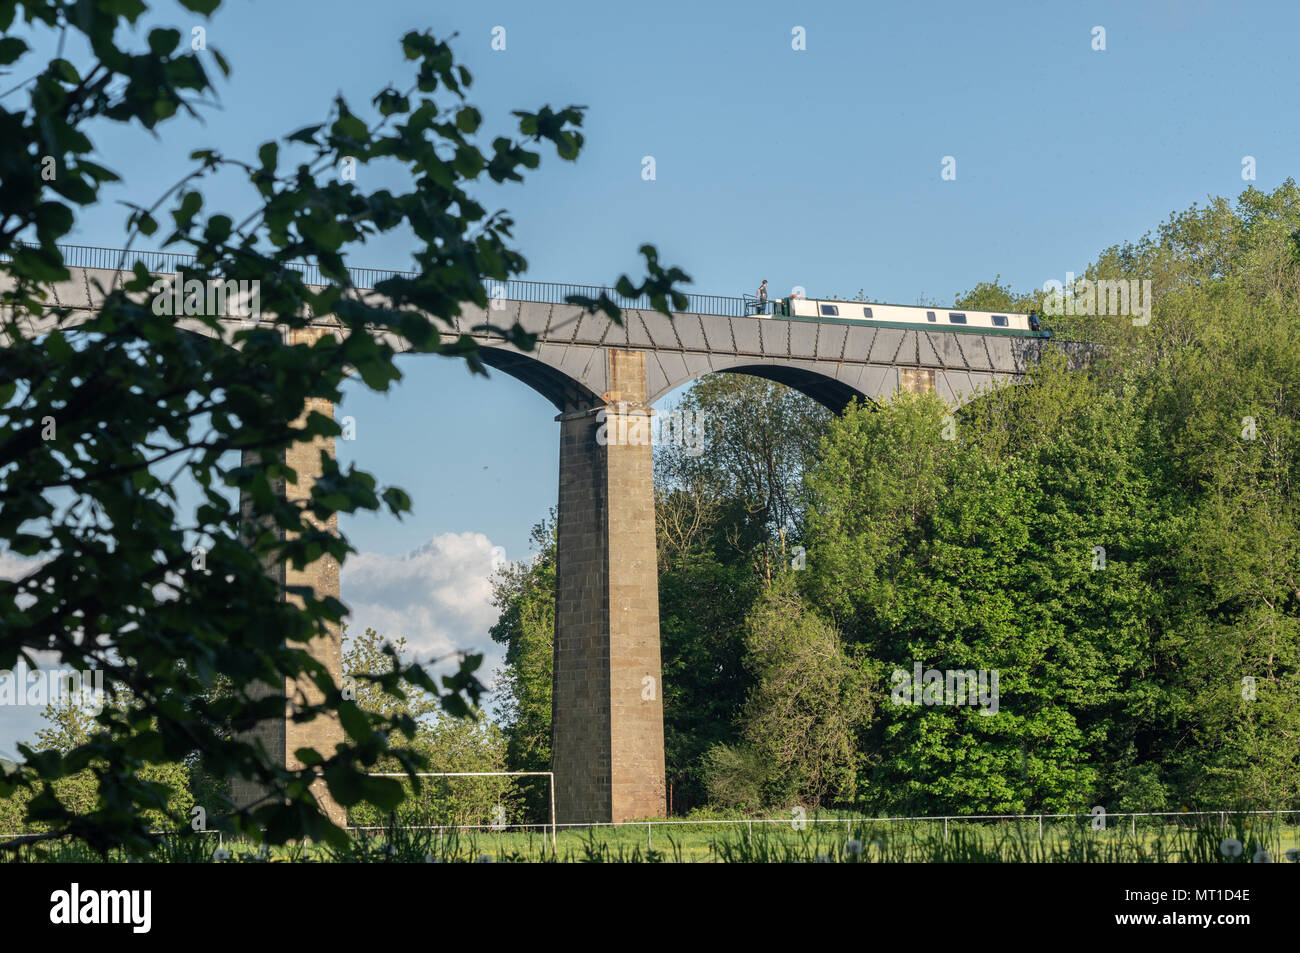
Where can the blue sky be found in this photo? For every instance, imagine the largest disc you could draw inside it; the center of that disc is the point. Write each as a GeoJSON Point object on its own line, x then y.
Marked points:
{"type": "Point", "coordinates": [818, 167]}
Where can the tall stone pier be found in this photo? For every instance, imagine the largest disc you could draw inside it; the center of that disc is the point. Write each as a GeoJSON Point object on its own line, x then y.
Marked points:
{"type": "Point", "coordinates": [282, 736]}
{"type": "Point", "coordinates": [607, 747]}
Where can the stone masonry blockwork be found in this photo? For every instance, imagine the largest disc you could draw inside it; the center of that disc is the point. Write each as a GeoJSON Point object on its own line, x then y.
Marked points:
{"type": "Point", "coordinates": [282, 737]}
{"type": "Point", "coordinates": [607, 705]}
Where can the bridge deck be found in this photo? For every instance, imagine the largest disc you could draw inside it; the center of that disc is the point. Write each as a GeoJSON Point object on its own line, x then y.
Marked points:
{"type": "Point", "coordinates": [515, 289]}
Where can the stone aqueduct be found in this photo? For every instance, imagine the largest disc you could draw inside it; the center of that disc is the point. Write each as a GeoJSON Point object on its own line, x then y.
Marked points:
{"type": "Point", "coordinates": [608, 744]}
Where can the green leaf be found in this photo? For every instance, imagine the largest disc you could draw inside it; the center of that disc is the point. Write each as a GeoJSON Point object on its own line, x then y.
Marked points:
{"type": "Point", "coordinates": [65, 71]}
{"type": "Point", "coordinates": [468, 119]}
{"type": "Point", "coordinates": [345, 784]}
{"type": "Point", "coordinates": [11, 48]}
{"type": "Point", "coordinates": [308, 756]}
{"type": "Point", "coordinates": [354, 721]}
{"type": "Point", "coordinates": [268, 154]}
{"type": "Point", "coordinates": [396, 500]}
{"type": "Point", "coordinates": [163, 41]}
{"type": "Point", "coordinates": [307, 134]}
{"type": "Point", "coordinates": [385, 793]}
{"type": "Point", "coordinates": [58, 347]}
{"type": "Point", "coordinates": [131, 9]}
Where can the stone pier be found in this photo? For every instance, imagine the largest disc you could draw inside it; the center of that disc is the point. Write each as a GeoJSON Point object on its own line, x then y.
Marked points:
{"type": "Point", "coordinates": [607, 707]}
{"type": "Point", "coordinates": [282, 737]}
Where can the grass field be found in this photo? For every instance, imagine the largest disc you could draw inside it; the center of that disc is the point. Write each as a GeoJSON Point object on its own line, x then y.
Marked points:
{"type": "Point", "coordinates": [1194, 840]}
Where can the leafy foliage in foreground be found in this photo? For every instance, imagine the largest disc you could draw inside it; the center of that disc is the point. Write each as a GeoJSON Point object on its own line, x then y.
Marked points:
{"type": "Point", "coordinates": [101, 414]}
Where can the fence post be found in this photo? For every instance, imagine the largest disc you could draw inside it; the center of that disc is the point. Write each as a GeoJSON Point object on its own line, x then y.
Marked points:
{"type": "Point", "coordinates": [751, 833]}
{"type": "Point", "coordinates": [649, 844]}
{"type": "Point", "coordinates": [945, 830]}
{"type": "Point", "coordinates": [1040, 828]}
{"type": "Point", "coordinates": [1134, 818]}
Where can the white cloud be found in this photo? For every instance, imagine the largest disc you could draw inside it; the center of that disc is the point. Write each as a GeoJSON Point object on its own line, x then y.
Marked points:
{"type": "Point", "coordinates": [438, 597]}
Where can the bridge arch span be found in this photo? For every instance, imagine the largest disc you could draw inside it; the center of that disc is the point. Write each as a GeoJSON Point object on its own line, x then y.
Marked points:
{"type": "Point", "coordinates": [567, 393]}
{"type": "Point", "coordinates": [832, 394]}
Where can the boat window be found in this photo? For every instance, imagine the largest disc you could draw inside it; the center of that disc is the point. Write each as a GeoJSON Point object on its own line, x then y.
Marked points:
{"type": "Point", "coordinates": [830, 311]}
{"type": "Point", "coordinates": [929, 315]}
{"type": "Point", "coordinates": [1000, 321]}
{"type": "Point", "coordinates": [866, 312]}
{"type": "Point", "coordinates": [956, 318]}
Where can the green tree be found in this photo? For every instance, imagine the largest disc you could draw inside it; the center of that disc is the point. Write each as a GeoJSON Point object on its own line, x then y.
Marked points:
{"type": "Point", "coordinates": [705, 592]}
{"type": "Point", "coordinates": [995, 296]}
{"type": "Point", "coordinates": [729, 508]}
{"type": "Point", "coordinates": [525, 594]}
{"type": "Point", "coordinates": [809, 703]}
{"type": "Point", "coordinates": [443, 743]}
{"type": "Point", "coordinates": [368, 659]}
{"type": "Point", "coordinates": [944, 553]}
{"type": "Point", "coordinates": [70, 726]}
{"type": "Point", "coordinates": [757, 439]}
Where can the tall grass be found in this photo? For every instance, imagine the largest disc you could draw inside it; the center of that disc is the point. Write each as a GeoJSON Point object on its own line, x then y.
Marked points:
{"type": "Point", "coordinates": [1194, 839]}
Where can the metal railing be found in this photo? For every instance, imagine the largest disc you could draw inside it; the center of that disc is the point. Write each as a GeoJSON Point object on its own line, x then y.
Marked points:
{"type": "Point", "coordinates": [109, 259]}
{"type": "Point", "coordinates": [549, 292]}
{"type": "Point", "coordinates": [512, 289]}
